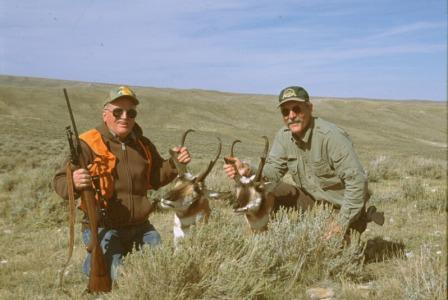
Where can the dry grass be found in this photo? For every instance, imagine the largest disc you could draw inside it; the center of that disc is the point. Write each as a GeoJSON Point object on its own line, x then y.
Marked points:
{"type": "Point", "coordinates": [404, 259]}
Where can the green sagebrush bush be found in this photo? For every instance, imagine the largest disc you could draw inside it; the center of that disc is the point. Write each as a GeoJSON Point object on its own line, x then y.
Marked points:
{"type": "Point", "coordinates": [387, 168]}
{"type": "Point", "coordinates": [434, 200]}
{"type": "Point", "coordinates": [426, 168]}
{"type": "Point", "coordinates": [222, 259]}
{"type": "Point", "coordinates": [383, 168]}
{"type": "Point", "coordinates": [27, 192]}
{"type": "Point", "coordinates": [424, 196]}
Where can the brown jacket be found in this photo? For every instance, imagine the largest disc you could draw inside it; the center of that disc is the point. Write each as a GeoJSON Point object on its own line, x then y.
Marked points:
{"type": "Point", "coordinates": [129, 204]}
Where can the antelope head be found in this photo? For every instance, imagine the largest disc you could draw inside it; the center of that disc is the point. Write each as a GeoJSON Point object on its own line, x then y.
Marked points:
{"type": "Point", "coordinates": [249, 190]}
{"type": "Point", "coordinates": [188, 190]}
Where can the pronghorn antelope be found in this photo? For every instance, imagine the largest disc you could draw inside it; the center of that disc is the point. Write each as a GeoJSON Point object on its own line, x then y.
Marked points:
{"type": "Point", "coordinates": [188, 198]}
{"type": "Point", "coordinates": [252, 199]}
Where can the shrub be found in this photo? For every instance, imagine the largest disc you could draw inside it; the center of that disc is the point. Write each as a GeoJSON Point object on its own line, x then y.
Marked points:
{"type": "Point", "coordinates": [383, 168]}
{"type": "Point", "coordinates": [413, 189]}
{"type": "Point", "coordinates": [424, 196]}
{"type": "Point", "coordinates": [424, 276]}
{"type": "Point", "coordinates": [220, 260]}
{"type": "Point", "coordinates": [433, 200]}
{"type": "Point", "coordinates": [426, 168]}
{"type": "Point", "coordinates": [387, 168]}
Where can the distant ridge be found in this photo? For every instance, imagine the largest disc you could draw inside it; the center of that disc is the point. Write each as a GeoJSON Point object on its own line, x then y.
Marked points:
{"type": "Point", "coordinates": [10, 79]}
{"type": "Point", "coordinates": [402, 128]}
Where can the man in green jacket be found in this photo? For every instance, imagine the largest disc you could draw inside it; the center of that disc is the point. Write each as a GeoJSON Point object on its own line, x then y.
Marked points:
{"type": "Point", "coordinates": [322, 162]}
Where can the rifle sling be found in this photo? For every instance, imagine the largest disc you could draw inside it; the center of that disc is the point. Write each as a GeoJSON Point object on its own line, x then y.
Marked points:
{"type": "Point", "coordinates": [71, 219]}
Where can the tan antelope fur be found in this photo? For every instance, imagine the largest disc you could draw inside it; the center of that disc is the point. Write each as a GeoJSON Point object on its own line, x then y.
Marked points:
{"type": "Point", "coordinates": [188, 198]}
{"type": "Point", "coordinates": [251, 198]}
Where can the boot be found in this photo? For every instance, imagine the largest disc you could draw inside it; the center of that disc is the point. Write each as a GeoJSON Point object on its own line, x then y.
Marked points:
{"type": "Point", "coordinates": [375, 216]}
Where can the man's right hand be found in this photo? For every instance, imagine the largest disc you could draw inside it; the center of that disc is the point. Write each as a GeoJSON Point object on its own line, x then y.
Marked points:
{"type": "Point", "coordinates": [233, 165]}
{"type": "Point", "coordinates": [81, 179]}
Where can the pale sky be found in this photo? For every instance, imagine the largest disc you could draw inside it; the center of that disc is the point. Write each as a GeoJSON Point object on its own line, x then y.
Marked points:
{"type": "Point", "coordinates": [383, 49]}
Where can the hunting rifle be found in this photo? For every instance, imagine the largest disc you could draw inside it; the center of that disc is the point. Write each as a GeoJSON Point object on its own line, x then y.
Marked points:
{"type": "Point", "coordinates": [99, 280]}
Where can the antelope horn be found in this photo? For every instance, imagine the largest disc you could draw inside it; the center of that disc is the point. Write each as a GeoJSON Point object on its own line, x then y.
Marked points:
{"type": "Point", "coordinates": [237, 174]}
{"type": "Point", "coordinates": [233, 145]}
{"type": "Point", "coordinates": [262, 159]}
{"type": "Point", "coordinates": [203, 175]}
{"type": "Point", "coordinates": [184, 136]}
{"type": "Point", "coordinates": [181, 168]}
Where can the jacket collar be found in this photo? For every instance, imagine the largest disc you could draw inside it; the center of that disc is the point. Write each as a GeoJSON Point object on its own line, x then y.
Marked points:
{"type": "Point", "coordinates": [135, 134]}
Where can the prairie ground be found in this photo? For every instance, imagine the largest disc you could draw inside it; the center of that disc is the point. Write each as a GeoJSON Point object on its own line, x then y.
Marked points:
{"type": "Point", "coordinates": [402, 144]}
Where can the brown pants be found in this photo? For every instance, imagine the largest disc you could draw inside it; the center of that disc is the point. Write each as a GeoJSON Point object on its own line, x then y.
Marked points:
{"type": "Point", "coordinates": [289, 196]}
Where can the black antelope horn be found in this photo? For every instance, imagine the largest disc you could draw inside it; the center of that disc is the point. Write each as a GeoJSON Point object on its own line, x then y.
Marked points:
{"type": "Point", "coordinates": [237, 174]}
{"type": "Point", "coordinates": [202, 176]}
{"type": "Point", "coordinates": [181, 168]}
{"type": "Point", "coordinates": [233, 145]}
{"type": "Point", "coordinates": [262, 159]}
{"type": "Point", "coordinates": [184, 136]}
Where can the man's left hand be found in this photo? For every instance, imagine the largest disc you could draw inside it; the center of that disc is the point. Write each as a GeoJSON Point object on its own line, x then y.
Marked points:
{"type": "Point", "coordinates": [183, 156]}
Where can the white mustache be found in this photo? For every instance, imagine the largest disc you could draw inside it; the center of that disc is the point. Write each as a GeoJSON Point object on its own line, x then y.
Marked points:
{"type": "Point", "coordinates": [295, 121]}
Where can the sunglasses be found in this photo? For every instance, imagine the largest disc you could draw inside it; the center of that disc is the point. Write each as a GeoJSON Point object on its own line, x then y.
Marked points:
{"type": "Point", "coordinates": [118, 112]}
{"type": "Point", "coordinates": [296, 109]}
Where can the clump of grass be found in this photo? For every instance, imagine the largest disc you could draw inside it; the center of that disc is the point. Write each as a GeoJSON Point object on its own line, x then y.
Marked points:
{"type": "Point", "coordinates": [387, 168]}
{"type": "Point", "coordinates": [413, 189]}
{"type": "Point", "coordinates": [9, 183]}
{"type": "Point", "coordinates": [222, 260]}
{"type": "Point", "coordinates": [434, 200]}
{"type": "Point", "coordinates": [6, 164]}
{"type": "Point", "coordinates": [383, 168]}
{"type": "Point", "coordinates": [426, 168]}
{"type": "Point", "coordinates": [424, 196]}
{"type": "Point", "coordinates": [28, 188]}
{"type": "Point", "coordinates": [424, 276]}
{"type": "Point", "coordinates": [385, 196]}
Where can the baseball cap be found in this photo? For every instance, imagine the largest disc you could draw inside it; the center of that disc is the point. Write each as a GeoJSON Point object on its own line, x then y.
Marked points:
{"type": "Point", "coordinates": [121, 91]}
{"type": "Point", "coordinates": [293, 93]}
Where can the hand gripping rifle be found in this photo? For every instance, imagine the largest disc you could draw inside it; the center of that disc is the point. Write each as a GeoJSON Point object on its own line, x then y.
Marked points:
{"type": "Point", "coordinates": [99, 280]}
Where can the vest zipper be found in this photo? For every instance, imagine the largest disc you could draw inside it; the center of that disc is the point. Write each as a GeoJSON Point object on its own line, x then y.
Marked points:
{"type": "Point", "coordinates": [131, 201]}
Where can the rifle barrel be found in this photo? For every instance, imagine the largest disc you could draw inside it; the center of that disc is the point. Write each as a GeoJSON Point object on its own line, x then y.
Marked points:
{"type": "Point", "coordinates": [71, 115]}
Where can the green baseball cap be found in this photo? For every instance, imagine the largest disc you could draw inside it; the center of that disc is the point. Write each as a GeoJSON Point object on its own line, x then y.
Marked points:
{"type": "Point", "coordinates": [293, 93]}
{"type": "Point", "coordinates": [119, 92]}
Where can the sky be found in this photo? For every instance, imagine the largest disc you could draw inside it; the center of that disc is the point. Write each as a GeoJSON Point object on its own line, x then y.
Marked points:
{"type": "Point", "coordinates": [382, 49]}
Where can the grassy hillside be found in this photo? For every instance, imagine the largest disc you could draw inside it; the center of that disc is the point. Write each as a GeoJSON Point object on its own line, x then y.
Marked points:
{"type": "Point", "coordinates": [403, 145]}
{"type": "Point", "coordinates": [400, 128]}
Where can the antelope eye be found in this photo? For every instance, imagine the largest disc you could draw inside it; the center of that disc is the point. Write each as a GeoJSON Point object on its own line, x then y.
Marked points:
{"type": "Point", "coordinates": [259, 187]}
{"type": "Point", "coordinates": [197, 187]}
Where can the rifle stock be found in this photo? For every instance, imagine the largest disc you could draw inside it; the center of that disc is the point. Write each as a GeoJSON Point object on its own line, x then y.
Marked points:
{"type": "Point", "coordinates": [99, 279]}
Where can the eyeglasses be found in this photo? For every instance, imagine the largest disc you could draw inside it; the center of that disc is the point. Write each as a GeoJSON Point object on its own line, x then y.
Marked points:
{"type": "Point", "coordinates": [118, 112]}
{"type": "Point", "coordinates": [296, 109]}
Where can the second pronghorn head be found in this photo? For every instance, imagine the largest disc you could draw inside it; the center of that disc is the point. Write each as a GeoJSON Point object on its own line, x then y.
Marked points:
{"type": "Point", "coordinates": [188, 194]}
{"type": "Point", "coordinates": [250, 191]}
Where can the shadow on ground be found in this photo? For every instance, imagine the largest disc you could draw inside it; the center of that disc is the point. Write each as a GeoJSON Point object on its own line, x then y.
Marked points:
{"type": "Point", "coordinates": [378, 249]}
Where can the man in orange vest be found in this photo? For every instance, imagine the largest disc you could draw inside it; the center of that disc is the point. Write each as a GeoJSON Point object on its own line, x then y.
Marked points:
{"type": "Point", "coordinates": [127, 165]}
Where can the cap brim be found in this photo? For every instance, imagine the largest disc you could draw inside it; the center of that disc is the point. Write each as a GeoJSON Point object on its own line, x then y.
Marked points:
{"type": "Point", "coordinates": [135, 100]}
{"type": "Point", "coordinates": [295, 99]}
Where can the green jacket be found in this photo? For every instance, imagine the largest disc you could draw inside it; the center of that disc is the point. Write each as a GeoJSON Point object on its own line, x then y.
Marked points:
{"type": "Point", "coordinates": [323, 163]}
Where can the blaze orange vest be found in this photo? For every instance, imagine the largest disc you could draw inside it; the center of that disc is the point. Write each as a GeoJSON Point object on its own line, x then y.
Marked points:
{"type": "Point", "coordinates": [105, 161]}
